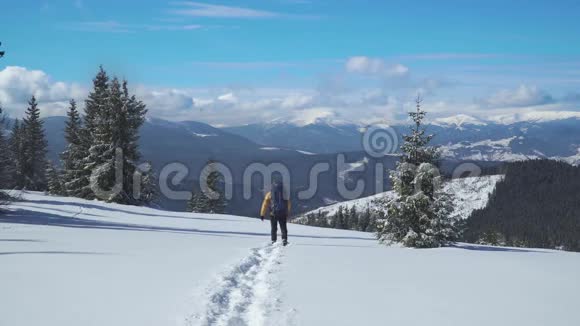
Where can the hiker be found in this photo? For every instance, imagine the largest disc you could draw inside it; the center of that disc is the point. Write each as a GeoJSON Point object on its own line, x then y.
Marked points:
{"type": "Point", "coordinates": [279, 203]}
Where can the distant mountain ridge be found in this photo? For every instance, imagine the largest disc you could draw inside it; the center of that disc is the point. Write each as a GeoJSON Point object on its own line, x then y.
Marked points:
{"type": "Point", "coordinates": [192, 144]}
{"type": "Point", "coordinates": [300, 146]}
{"type": "Point", "coordinates": [539, 135]}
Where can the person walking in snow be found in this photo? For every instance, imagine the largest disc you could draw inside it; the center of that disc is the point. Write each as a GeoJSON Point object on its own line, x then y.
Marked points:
{"type": "Point", "coordinates": [278, 201]}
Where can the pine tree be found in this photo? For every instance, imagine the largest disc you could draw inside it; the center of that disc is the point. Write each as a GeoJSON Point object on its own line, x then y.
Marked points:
{"type": "Point", "coordinates": [365, 220]}
{"type": "Point", "coordinates": [198, 203]}
{"type": "Point", "coordinates": [339, 219]}
{"type": "Point", "coordinates": [35, 148]}
{"type": "Point", "coordinates": [148, 192]}
{"type": "Point", "coordinates": [5, 161]}
{"type": "Point", "coordinates": [204, 202]}
{"type": "Point", "coordinates": [103, 153]}
{"type": "Point", "coordinates": [375, 217]}
{"type": "Point", "coordinates": [354, 218]}
{"type": "Point", "coordinates": [129, 118]}
{"type": "Point", "coordinates": [323, 220]}
{"type": "Point", "coordinates": [95, 124]}
{"type": "Point", "coordinates": [74, 177]}
{"type": "Point", "coordinates": [421, 215]}
{"type": "Point", "coordinates": [6, 166]}
{"type": "Point", "coordinates": [112, 122]}
{"type": "Point", "coordinates": [16, 144]}
{"type": "Point", "coordinates": [344, 219]}
{"type": "Point", "coordinates": [54, 181]}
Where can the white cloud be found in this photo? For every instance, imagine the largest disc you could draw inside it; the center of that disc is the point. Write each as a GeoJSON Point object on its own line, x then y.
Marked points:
{"type": "Point", "coordinates": [397, 70]}
{"type": "Point", "coordinates": [235, 106]}
{"type": "Point", "coordinates": [523, 96]}
{"type": "Point", "coordinates": [375, 66]}
{"type": "Point", "coordinates": [364, 65]}
{"type": "Point", "coordinates": [18, 84]}
{"type": "Point", "coordinates": [294, 101]}
{"type": "Point", "coordinates": [166, 102]}
{"type": "Point", "coordinates": [452, 56]}
{"type": "Point", "coordinates": [111, 26]}
{"type": "Point", "coordinates": [228, 98]}
{"type": "Point", "coordinates": [200, 9]}
{"type": "Point", "coordinates": [245, 65]}
{"type": "Point", "coordinates": [187, 27]}
{"type": "Point", "coordinates": [217, 106]}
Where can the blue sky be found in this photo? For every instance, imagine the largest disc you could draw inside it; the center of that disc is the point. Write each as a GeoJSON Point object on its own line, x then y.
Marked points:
{"type": "Point", "coordinates": [278, 58]}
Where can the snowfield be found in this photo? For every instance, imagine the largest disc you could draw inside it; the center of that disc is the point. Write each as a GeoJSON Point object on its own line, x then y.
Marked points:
{"type": "Point", "coordinates": [66, 261]}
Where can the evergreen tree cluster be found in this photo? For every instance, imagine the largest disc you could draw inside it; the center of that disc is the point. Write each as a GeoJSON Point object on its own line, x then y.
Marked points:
{"type": "Point", "coordinates": [536, 205]}
{"type": "Point", "coordinates": [345, 218]}
{"type": "Point", "coordinates": [101, 156]}
{"type": "Point", "coordinates": [213, 199]}
{"type": "Point", "coordinates": [5, 161]}
{"type": "Point", "coordinates": [23, 152]}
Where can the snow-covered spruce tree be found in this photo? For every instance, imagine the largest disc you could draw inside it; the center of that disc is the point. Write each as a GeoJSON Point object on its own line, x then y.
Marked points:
{"type": "Point", "coordinates": [147, 193]}
{"type": "Point", "coordinates": [55, 185]}
{"type": "Point", "coordinates": [74, 177]}
{"type": "Point", "coordinates": [6, 167]}
{"type": "Point", "coordinates": [421, 215]}
{"type": "Point", "coordinates": [365, 220]}
{"type": "Point", "coordinates": [95, 122]}
{"type": "Point", "coordinates": [203, 202]}
{"type": "Point", "coordinates": [112, 121]}
{"type": "Point", "coordinates": [127, 121]}
{"type": "Point", "coordinates": [5, 161]}
{"type": "Point", "coordinates": [198, 203]}
{"type": "Point", "coordinates": [102, 152]}
{"type": "Point", "coordinates": [339, 219]}
{"type": "Point", "coordinates": [35, 148]}
{"type": "Point", "coordinates": [16, 144]}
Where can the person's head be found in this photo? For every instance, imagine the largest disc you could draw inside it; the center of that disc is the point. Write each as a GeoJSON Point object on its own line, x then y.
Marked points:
{"type": "Point", "coordinates": [278, 185]}
{"type": "Point", "coordinates": [277, 181]}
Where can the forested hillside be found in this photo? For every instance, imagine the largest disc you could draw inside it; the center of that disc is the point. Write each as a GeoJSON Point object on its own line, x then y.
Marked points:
{"type": "Point", "coordinates": [536, 205]}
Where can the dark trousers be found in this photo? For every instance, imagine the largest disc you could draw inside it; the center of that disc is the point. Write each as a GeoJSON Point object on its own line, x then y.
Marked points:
{"type": "Point", "coordinates": [274, 221]}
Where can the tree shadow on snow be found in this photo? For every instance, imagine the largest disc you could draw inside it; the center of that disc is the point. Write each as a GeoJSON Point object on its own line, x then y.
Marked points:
{"type": "Point", "coordinates": [332, 245]}
{"type": "Point", "coordinates": [117, 210]}
{"type": "Point", "coordinates": [52, 253]}
{"type": "Point", "coordinates": [476, 247]}
{"type": "Point", "coordinates": [22, 216]}
{"type": "Point", "coordinates": [20, 240]}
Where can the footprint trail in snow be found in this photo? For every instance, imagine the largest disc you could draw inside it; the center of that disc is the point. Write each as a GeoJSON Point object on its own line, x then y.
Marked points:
{"type": "Point", "coordinates": [247, 294]}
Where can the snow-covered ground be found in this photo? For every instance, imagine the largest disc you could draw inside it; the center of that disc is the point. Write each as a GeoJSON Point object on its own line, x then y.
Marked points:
{"type": "Point", "coordinates": [470, 193]}
{"type": "Point", "coordinates": [71, 262]}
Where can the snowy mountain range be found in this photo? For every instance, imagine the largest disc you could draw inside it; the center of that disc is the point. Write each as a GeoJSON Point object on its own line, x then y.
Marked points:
{"type": "Point", "coordinates": [462, 137]}
{"type": "Point", "coordinates": [301, 145]}
{"type": "Point", "coordinates": [193, 144]}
